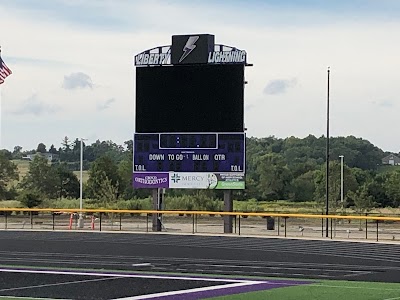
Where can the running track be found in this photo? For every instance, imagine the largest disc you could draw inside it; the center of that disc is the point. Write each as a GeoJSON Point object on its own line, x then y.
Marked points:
{"type": "Point", "coordinates": [194, 254]}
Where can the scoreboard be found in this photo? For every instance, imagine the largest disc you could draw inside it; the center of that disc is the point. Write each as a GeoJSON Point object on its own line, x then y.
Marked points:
{"type": "Point", "coordinates": [189, 115]}
{"type": "Point", "coordinates": [189, 160]}
{"type": "Point", "coordinates": [189, 152]}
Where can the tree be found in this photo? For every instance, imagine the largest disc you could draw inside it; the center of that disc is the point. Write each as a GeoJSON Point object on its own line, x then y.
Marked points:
{"type": "Point", "coordinates": [102, 168]}
{"type": "Point", "coordinates": [41, 148]}
{"type": "Point", "coordinates": [53, 150]}
{"type": "Point", "coordinates": [66, 143]}
{"type": "Point", "coordinates": [8, 173]}
{"type": "Point", "coordinates": [392, 187]}
{"type": "Point", "coordinates": [349, 180]}
{"type": "Point", "coordinates": [362, 176]}
{"type": "Point", "coordinates": [129, 145]}
{"type": "Point", "coordinates": [125, 168]}
{"type": "Point", "coordinates": [68, 185]}
{"type": "Point", "coordinates": [107, 194]}
{"type": "Point", "coordinates": [274, 176]}
{"type": "Point", "coordinates": [41, 177]}
{"type": "Point", "coordinates": [7, 154]}
{"type": "Point", "coordinates": [303, 187]}
{"type": "Point", "coordinates": [377, 189]}
{"type": "Point", "coordinates": [363, 202]}
{"type": "Point", "coordinates": [17, 152]}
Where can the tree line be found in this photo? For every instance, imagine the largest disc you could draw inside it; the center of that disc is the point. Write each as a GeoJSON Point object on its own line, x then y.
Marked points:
{"type": "Point", "coordinates": [292, 169]}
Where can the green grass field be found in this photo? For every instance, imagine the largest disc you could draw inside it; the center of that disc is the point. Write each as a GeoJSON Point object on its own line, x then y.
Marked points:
{"type": "Point", "coordinates": [23, 168]}
{"type": "Point", "coordinates": [326, 290]}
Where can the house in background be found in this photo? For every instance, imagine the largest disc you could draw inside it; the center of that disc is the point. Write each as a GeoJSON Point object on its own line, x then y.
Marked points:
{"type": "Point", "coordinates": [49, 156]}
{"type": "Point", "coordinates": [391, 159]}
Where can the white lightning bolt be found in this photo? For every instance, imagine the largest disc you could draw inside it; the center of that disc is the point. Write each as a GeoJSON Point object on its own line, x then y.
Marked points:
{"type": "Point", "coordinates": [189, 47]}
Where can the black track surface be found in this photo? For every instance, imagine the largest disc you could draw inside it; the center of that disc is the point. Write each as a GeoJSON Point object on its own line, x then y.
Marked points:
{"type": "Point", "coordinates": [238, 256]}
{"type": "Point", "coordinates": [203, 254]}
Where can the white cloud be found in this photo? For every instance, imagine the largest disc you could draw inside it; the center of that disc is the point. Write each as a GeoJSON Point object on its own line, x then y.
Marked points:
{"type": "Point", "coordinates": [105, 104]}
{"type": "Point", "coordinates": [279, 86]}
{"type": "Point", "coordinates": [36, 107]}
{"type": "Point", "coordinates": [77, 80]}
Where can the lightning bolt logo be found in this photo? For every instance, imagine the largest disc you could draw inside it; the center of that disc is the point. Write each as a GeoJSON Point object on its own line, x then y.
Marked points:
{"type": "Point", "coordinates": [189, 47]}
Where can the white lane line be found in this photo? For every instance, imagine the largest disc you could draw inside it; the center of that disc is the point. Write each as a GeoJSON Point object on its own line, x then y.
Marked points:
{"type": "Point", "coordinates": [274, 268]}
{"type": "Point", "coordinates": [54, 284]}
{"type": "Point", "coordinates": [357, 274]}
{"type": "Point", "coordinates": [181, 292]}
{"type": "Point", "coordinates": [141, 265]}
{"type": "Point", "coordinates": [170, 259]}
{"type": "Point", "coordinates": [122, 275]}
{"type": "Point", "coordinates": [27, 298]}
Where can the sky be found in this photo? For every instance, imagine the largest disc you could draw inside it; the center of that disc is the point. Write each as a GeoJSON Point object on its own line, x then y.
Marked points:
{"type": "Point", "coordinates": [73, 72]}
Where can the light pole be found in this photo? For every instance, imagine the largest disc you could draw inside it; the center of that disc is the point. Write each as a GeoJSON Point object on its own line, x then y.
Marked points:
{"type": "Point", "coordinates": [80, 221]}
{"type": "Point", "coordinates": [327, 159]}
{"type": "Point", "coordinates": [341, 180]}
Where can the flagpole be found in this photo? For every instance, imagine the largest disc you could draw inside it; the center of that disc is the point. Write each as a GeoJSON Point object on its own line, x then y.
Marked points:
{"type": "Point", "coordinates": [1, 127]}
{"type": "Point", "coordinates": [4, 72]}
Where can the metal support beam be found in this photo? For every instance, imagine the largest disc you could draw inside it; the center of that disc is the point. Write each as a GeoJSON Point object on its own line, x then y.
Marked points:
{"type": "Point", "coordinates": [157, 202]}
{"type": "Point", "coordinates": [228, 207]}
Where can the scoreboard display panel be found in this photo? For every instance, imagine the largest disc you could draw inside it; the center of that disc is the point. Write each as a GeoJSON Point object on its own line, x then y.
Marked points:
{"type": "Point", "coordinates": [189, 152]}
{"type": "Point", "coordinates": [190, 98]}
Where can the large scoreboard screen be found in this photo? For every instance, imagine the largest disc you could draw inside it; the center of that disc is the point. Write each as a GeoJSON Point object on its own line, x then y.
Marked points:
{"type": "Point", "coordinates": [190, 98]}
{"type": "Point", "coordinates": [189, 160]}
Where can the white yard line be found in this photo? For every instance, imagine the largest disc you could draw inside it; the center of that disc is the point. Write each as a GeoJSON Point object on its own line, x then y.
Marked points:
{"type": "Point", "coordinates": [181, 292]}
{"type": "Point", "coordinates": [54, 284]}
{"type": "Point", "coordinates": [122, 275]}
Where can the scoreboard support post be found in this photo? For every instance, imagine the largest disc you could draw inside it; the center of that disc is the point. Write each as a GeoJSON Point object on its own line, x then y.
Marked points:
{"type": "Point", "coordinates": [228, 207]}
{"type": "Point", "coordinates": [157, 203]}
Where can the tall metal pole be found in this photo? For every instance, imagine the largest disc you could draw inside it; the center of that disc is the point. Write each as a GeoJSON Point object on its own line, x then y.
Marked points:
{"type": "Point", "coordinates": [80, 221]}
{"type": "Point", "coordinates": [81, 177]}
{"type": "Point", "coordinates": [327, 160]}
{"type": "Point", "coordinates": [341, 180]}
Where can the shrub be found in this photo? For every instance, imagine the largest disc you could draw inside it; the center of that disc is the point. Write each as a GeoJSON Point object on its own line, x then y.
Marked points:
{"type": "Point", "coordinates": [30, 199]}
{"type": "Point", "coordinates": [62, 203]}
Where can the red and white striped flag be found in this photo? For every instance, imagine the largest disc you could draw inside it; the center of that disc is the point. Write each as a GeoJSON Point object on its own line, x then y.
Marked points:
{"type": "Point", "coordinates": [4, 71]}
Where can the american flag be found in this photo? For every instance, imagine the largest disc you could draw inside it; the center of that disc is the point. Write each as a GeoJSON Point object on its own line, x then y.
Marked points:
{"type": "Point", "coordinates": [4, 71]}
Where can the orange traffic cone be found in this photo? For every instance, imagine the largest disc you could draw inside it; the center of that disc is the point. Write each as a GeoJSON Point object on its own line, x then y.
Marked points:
{"type": "Point", "coordinates": [92, 223]}
{"type": "Point", "coordinates": [71, 219]}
